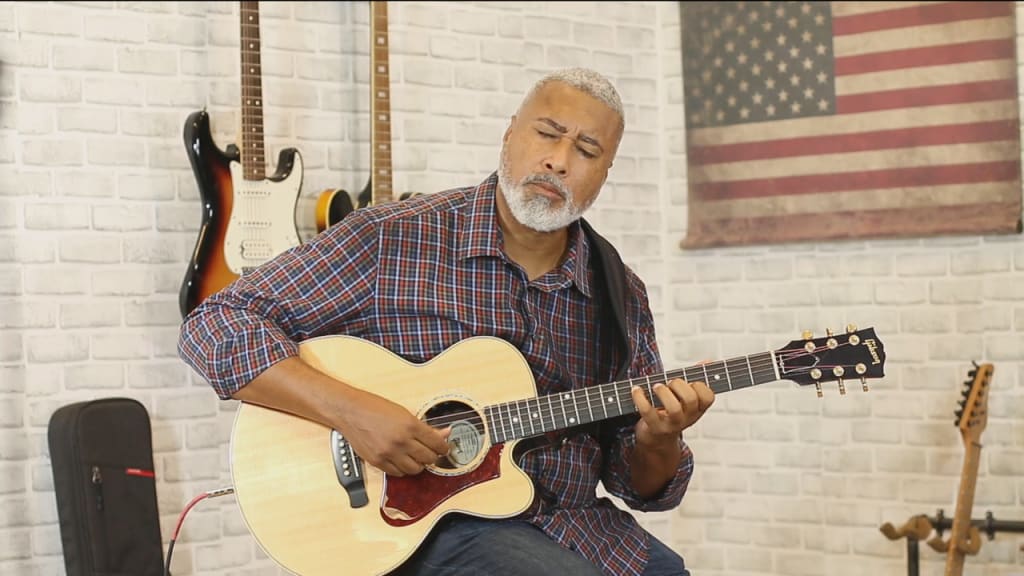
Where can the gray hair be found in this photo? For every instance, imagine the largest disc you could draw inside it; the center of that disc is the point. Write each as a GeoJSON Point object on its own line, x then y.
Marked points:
{"type": "Point", "coordinates": [586, 81]}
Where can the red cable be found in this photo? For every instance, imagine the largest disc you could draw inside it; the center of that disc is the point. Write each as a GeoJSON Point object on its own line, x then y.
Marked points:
{"type": "Point", "coordinates": [185, 511]}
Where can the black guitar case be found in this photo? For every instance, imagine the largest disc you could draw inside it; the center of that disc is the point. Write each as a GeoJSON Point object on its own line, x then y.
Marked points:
{"type": "Point", "coordinates": [102, 458]}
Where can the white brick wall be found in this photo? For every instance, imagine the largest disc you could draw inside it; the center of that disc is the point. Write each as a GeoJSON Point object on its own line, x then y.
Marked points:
{"type": "Point", "coordinates": [99, 212]}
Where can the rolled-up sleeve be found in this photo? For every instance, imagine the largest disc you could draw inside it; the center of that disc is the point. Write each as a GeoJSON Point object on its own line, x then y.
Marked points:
{"type": "Point", "coordinates": [259, 319]}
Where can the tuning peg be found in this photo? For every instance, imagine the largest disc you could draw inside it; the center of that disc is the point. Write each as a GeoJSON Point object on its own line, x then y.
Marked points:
{"type": "Point", "coordinates": [808, 335]}
{"type": "Point", "coordinates": [817, 385]}
{"type": "Point", "coordinates": [828, 332]}
{"type": "Point", "coordinates": [958, 413]}
{"type": "Point", "coordinates": [864, 383]}
{"type": "Point", "coordinates": [851, 328]}
{"type": "Point", "coordinates": [842, 387]}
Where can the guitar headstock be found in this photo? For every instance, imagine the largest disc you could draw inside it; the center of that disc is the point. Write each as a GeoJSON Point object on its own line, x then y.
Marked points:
{"type": "Point", "coordinates": [833, 357]}
{"type": "Point", "coordinates": [972, 416]}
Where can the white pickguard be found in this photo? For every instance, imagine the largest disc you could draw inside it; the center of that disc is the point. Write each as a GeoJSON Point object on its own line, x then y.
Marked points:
{"type": "Point", "coordinates": [262, 221]}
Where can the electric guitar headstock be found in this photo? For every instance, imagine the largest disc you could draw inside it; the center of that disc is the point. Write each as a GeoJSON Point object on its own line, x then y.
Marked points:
{"type": "Point", "coordinates": [833, 357]}
{"type": "Point", "coordinates": [972, 416]}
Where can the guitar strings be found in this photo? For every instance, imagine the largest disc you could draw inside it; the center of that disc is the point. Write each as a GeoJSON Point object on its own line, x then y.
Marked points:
{"type": "Point", "coordinates": [763, 365]}
{"type": "Point", "coordinates": [547, 414]}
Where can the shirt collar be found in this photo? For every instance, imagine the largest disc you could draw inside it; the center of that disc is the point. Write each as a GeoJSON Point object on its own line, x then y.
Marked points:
{"type": "Point", "coordinates": [481, 236]}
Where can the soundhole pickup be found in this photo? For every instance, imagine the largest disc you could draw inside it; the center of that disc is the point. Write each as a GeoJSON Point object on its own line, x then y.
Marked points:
{"type": "Point", "coordinates": [349, 469]}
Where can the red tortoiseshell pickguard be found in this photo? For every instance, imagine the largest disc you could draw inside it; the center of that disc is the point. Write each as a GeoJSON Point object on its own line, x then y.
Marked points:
{"type": "Point", "coordinates": [416, 496]}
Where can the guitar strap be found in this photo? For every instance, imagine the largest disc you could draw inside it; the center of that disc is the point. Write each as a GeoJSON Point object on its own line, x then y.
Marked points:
{"type": "Point", "coordinates": [610, 273]}
{"type": "Point", "coordinates": [615, 349]}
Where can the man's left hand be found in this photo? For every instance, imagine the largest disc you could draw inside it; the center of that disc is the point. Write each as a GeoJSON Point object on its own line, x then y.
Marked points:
{"type": "Point", "coordinates": [682, 404]}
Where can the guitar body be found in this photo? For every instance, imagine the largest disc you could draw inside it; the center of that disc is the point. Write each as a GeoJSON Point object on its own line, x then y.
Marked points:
{"type": "Point", "coordinates": [207, 271]}
{"type": "Point", "coordinates": [331, 207]}
{"type": "Point", "coordinates": [245, 222]}
{"type": "Point", "coordinates": [286, 473]}
{"type": "Point", "coordinates": [317, 509]}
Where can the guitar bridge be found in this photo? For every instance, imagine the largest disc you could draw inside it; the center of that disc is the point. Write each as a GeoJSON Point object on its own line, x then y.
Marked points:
{"type": "Point", "coordinates": [349, 469]}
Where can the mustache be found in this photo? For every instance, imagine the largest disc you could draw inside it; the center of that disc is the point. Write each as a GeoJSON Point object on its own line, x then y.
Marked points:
{"type": "Point", "coordinates": [548, 179]}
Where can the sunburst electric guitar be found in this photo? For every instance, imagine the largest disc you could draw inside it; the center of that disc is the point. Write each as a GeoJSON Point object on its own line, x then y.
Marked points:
{"type": "Point", "coordinates": [248, 217]}
{"type": "Point", "coordinates": [971, 419]}
{"type": "Point", "coordinates": [317, 508]}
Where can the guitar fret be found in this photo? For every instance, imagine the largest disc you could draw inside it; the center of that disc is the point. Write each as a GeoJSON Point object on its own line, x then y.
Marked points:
{"type": "Point", "coordinates": [551, 406]}
{"type": "Point", "coordinates": [575, 408]}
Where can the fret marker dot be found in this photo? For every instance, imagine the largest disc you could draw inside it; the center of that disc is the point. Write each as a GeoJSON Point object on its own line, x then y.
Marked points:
{"type": "Point", "coordinates": [534, 414]}
{"type": "Point", "coordinates": [718, 376]}
{"type": "Point", "coordinates": [572, 420]}
{"type": "Point", "coordinates": [514, 419]}
{"type": "Point", "coordinates": [567, 396]}
{"type": "Point", "coordinates": [610, 400]}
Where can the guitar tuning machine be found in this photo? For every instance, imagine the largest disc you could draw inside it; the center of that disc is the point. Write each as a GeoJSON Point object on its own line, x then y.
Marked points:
{"type": "Point", "coordinates": [816, 374]}
{"type": "Point", "coordinates": [861, 369]}
{"type": "Point", "coordinates": [851, 328]}
{"type": "Point", "coordinates": [838, 371]}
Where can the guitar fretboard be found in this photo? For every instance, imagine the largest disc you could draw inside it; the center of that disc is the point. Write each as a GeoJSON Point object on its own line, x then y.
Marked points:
{"type": "Point", "coordinates": [380, 106]}
{"type": "Point", "coordinates": [252, 150]}
{"type": "Point", "coordinates": [533, 416]}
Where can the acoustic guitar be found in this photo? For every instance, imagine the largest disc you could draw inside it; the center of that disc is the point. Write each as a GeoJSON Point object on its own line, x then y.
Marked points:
{"type": "Point", "coordinates": [971, 419]}
{"type": "Point", "coordinates": [247, 217]}
{"type": "Point", "coordinates": [334, 204]}
{"type": "Point", "coordinates": [317, 508]}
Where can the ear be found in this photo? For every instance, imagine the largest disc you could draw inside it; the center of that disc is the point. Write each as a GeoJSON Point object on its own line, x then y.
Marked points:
{"type": "Point", "coordinates": [508, 130]}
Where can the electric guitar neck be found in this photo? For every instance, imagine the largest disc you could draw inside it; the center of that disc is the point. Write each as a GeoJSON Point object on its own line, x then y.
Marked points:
{"type": "Point", "coordinates": [335, 204]}
{"type": "Point", "coordinates": [248, 216]}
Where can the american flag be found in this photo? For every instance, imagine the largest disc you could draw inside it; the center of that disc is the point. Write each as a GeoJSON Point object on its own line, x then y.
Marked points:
{"type": "Point", "coordinates": [832, 120]}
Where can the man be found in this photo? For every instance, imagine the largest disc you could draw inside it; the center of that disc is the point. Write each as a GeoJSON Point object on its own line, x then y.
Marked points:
{"type": "Point", "coordinates": [507, 258]}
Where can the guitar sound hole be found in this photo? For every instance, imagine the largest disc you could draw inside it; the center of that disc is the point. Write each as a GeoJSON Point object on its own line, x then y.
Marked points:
{"type": "Point", "coordinates": [466, 441]}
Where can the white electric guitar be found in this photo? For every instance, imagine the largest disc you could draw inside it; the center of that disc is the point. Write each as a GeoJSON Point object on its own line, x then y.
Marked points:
{"type": "Point", "coordinates": [248, 217]}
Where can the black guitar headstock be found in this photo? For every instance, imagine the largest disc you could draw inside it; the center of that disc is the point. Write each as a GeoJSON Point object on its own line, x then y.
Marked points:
{"type": "Point", "coordinates": [833, 357]}
{"type": "Point", "coordinates": [972, 416]}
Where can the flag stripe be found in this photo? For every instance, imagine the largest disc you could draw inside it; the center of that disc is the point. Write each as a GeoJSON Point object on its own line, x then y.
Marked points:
{"type": "Point", "coordinates": [870, 140]}
{"type": "Point", "coordinates": [837, 125]}
{"type": "Point", "coordinates": [925, 56]}
{"type": "Point", "coordinates": [927, 96]}
{"type": "Point", "coordinates": [924, 77]}
{"type": "Point", "coordinates": [919, 15]}
{"type": "Point", "coordinates": [848, 8]}
{"type": "Point", "coordinates": [876, 199]}
{"type": "Point", "coordinates": [935, 35]}
{"type": "Point", "coordinates": [998, 171]}
{"type": "Point", "coordinates": [983, 217]}
{"type": "Point", "coordinates": [856, 161]}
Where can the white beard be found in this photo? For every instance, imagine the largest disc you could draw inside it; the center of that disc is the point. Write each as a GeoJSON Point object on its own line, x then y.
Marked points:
{"type": "Point", "coordinates": [536, 211]}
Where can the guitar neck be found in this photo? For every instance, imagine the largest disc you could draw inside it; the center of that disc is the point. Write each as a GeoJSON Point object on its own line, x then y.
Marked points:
{"type": "Point", "coordinates": [964, 506]}
{"type": "Point", "coordinates": [252, 148]}
{"type": "Point", "coordinates": [533, 416]}
{"type": "Point", "coordinates": [380, 106]}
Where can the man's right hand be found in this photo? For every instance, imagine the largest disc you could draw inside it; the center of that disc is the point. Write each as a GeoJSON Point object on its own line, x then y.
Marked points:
{"type": "Point", "coordinates": [389, 437]}
{"type": "Point", "coordinates": [383, 433]}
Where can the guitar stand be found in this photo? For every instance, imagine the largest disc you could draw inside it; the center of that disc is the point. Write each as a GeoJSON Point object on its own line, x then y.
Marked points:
{"type": "Point", "coordinates": [919, 527]}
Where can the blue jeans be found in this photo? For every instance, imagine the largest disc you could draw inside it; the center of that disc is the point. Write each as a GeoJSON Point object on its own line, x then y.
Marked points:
{"type": "Point", "coordinates": [467, 546]}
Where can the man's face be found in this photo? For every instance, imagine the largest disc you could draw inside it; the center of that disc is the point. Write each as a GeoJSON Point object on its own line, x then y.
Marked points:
{"type": "Point", "coordinates": [555, 156]}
